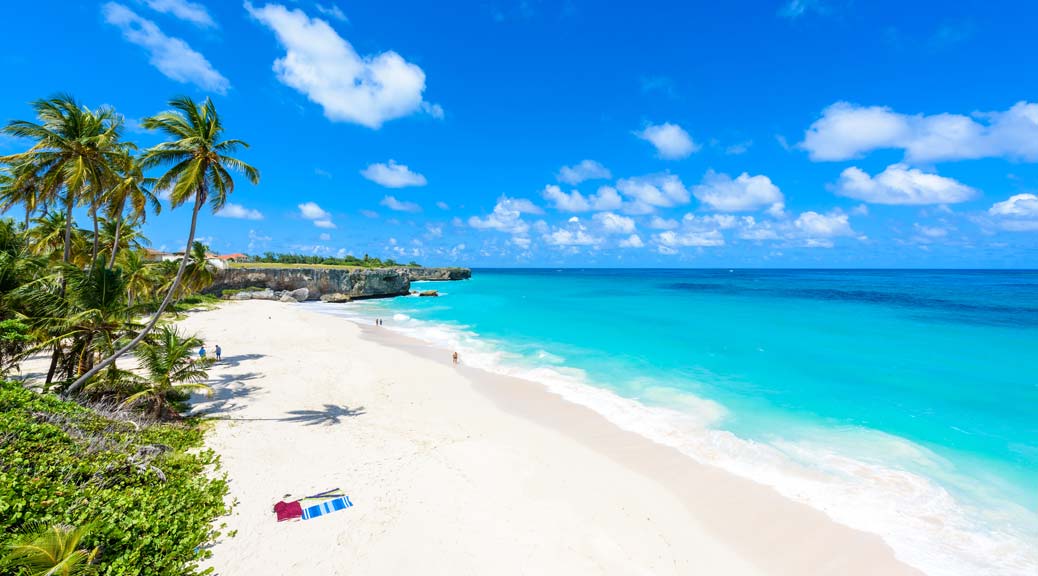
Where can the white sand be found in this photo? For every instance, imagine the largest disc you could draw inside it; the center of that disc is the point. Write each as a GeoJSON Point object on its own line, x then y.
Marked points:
{"type": "Point", "coordinates": [455, 471]}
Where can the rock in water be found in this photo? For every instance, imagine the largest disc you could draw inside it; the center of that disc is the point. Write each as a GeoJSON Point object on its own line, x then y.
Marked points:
{"type": "Point", "coordinates": [428, 293]}
{"type": "Point", "coordinates": [336, 297]}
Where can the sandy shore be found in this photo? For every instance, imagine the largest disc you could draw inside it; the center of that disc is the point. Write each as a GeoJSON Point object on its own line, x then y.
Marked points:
{"type": "Point", "coordinates": [456, 471]}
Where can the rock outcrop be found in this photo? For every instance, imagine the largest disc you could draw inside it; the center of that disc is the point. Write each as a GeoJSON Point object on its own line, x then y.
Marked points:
{"type": "Point", "coordinates": [339, 284]}
{"type": "Point", "coordinates": [425, 274]}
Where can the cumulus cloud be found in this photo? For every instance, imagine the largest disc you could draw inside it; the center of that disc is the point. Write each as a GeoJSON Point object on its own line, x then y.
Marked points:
{"type": "Point", "coordinates": [393, 175]}
{"type": "Point", "coordinates": [848, 131]}
{"type": "Point", "coordinates": [815, 225]}
{"type": "Point", "coordinates": [185, 10]}
{"type": "Point", "coordinates": [171, 56]}
{"type": "Point", "coordinates": [646, 193]}
{"type": "Point", "coordinates": [1019, 213]}
{"type": "Point", "coordinates": [671, 141]}
{"type": "Point", "coordinates": [325, 236]}
{"type": "Point", "coordinates": [605, 199]}
{"type": "Point", "coordinates": [585, 170]}
{"type": "Point", "coordinates": [663, 223]}
{"type": "Point", "coordinates": [368, 90]}
{"type": "Point", "coordinates": [899, 184]}
{"type": "Point", "coordinates": [632, 241]}
{"type": "Point", "coordinates": [324, 223]}
{"type": "Point", "coordinates": [507, 216]}
{"type": "Point", "coordinates": [692, 238]}
{"type": "Point", "coordinates": [614, 223]}
{"type": "Point", "coordinates": [232, 210]}
{"type": "Point", "coordinates": [399, 205]}
{"type": "Point", "coordinates": [578, 236]}
{"type": "Point", "coordinates": [442, 205]}
{"type": "Point", "coordinates": [312, 211]}
{"type": "Point", "coordinates": [743, 194]}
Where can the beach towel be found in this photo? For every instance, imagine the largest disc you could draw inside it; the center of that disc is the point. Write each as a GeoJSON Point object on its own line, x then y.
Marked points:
{"type": "Point", "coordinates": [334, 505]}
{"type": "Point", "coordinates": [288, 510]}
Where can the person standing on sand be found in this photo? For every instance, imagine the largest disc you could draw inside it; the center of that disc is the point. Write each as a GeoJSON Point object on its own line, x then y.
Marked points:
{"type": "Point", "coordinates": [201, 352]}
{"type": "Point", "coordinates": [454, 358]}
{"type": "Point", "coordinates": [219, 352]}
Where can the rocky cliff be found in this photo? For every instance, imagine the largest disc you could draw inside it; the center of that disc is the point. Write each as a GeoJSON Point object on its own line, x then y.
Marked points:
{"type": "Point", "coordinates": [336, 284]}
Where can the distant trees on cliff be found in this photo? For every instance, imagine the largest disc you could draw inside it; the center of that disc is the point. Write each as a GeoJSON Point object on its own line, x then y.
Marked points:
{"type": "Point", "coordinates": [348, 260]}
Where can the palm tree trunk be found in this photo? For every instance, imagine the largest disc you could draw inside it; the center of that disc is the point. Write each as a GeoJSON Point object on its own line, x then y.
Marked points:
{"type": "Point", "coordinates": [68, 234]}
{"type": "Point", "coordinates": [199, 200]}
{"type": "Point", "coordinates": [93, 252]}
{"type": "Point", "coordinates": [118, 230]}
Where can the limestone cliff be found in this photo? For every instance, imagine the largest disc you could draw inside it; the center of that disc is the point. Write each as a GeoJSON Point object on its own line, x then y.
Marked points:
{"type": "Point", "coordinates": [346, 283]}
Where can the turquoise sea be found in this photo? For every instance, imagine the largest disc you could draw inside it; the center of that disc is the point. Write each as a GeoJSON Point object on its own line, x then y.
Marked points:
{"type": "Point", "coordinates": [903, 403]}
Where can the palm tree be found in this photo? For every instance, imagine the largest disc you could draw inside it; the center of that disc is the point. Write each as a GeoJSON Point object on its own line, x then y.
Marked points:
{"type": "Point", "coordinates": [169, 366]}
{"type": "Point", "coordinates": [133, 188]}
{"type": "Point", "coordinates": [14, 190]}
{"type": "Point", "coordinates": [199, 274]}
{"type": "Point", "coordinates": [199, 171]}
{"type": "Point", "coordinates": [119, 235]}
{"type": "Point", "coordinates": [73, 155]}
{"type": "Point", "coordinates": [51, 551]}
{"type": "Point", "coordinates": [138, 273]}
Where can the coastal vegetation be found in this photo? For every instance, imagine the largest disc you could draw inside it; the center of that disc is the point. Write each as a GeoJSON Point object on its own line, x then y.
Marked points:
{"type": "Point", "coordinates": [282, 260]}
{"type": "Point", "coordinates": [99, 472]}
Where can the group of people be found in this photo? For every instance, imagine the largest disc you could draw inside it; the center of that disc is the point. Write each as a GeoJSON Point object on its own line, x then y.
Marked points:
{"type": "Point", "coordinates": [217, 352]}
{"type": "Point", "coordinates": [378, 321]}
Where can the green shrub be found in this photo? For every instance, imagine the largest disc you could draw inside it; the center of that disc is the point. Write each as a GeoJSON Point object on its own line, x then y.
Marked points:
{"type": "Point", "coordinates": [148, 498]}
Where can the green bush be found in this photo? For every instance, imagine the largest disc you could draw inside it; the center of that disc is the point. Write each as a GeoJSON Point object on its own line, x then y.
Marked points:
{"type": "Point", "coordinates": [148, 498]}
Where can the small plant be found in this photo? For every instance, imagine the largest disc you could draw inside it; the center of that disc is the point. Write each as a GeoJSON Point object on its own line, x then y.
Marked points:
{"type": "Point", "coordinates": [51, 551]}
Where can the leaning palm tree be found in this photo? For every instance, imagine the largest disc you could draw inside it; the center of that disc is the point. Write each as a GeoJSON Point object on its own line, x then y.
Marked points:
{"type": "Point", "coordinates": [169, 366]}
{"type": "Point", "coordinates": [51, 551]}
{"type": "Point", "coordinates": [199, 171]}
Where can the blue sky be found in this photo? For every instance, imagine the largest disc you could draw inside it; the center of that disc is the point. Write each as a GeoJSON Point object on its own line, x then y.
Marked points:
{"type": "Point", "coordinates": [771, 133]}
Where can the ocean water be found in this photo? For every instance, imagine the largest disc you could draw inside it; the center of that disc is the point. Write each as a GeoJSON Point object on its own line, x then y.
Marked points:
{"type": "Point", "coordinates": [903, 403]}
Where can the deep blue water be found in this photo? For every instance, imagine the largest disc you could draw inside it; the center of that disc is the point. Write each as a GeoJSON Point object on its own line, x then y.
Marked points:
{"type": "Point", "coordinates": [861, 389]}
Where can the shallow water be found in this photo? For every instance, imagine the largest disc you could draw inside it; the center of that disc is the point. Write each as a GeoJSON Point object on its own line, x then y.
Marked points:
{"type": "Point", "coordinates": [900, 402]}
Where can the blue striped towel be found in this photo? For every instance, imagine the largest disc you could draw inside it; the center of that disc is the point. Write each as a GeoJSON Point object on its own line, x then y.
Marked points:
{"type": "Point", "coordinates": [340, 503]}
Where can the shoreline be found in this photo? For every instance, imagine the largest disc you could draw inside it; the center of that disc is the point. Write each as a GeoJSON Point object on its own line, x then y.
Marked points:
{"type": "Point", "coordinates": [724, 521]}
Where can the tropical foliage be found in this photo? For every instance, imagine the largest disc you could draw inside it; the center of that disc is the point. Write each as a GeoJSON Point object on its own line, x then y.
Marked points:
{"type": "Point", "coordinates": [365, 262]}
{"type": "Point", "coordinates": [138, 492]}
{"type": "Point", "coordinates": [99, 480]}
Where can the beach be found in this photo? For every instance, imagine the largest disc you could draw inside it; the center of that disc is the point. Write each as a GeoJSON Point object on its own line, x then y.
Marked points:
{"type": "Point", "coordinates": [456, 470]}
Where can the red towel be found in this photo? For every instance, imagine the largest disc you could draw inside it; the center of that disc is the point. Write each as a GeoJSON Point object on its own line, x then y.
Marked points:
{"type": "Point", "coordinates": [288, 510]}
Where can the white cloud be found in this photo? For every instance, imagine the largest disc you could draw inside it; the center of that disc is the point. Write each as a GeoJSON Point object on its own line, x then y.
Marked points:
{"type": "Point", "coordinates": [815, 225]}
{"type": "Point", "coordinates": [232, 210]}
{"type": "Point", "coordinates": [614, 223]}
{"type": "Point", "coordinates": [311, 211]}
{"type": "Point", "coordinates": [393, 175]}
{"type": "Point", "coordinates": [324, 223]}
{"type": "Point", "coordinates": [672, 239]}
{"type": "Point", "coordinates": [566, 237]}
{"type": "Point", "coordinates": [650, 192]}
{"type": "Point", "coordinates": [848, 131]}
{"type": "Point", "coordinates": [585, 170]}
{"type": "Point", "coordinates": [671, 141]}
{"type": "Point", "coordinates": [1017, 214]}
{"type": "Point", "coordinates": [796, 8]}
{"type": "Point", "coordinates": [605, 199]}
{"type": "Point", "coordinates": [899, 184]}
{"type": "Point", "coordinates": [662, 223]}
{"type": "Point", "coordinates": [171, 56]}
{"type": "Point", "coordinates": [743, 194]}
{"type": "Point", "coordinates": [367, 90]}
{"type": "Point", "coordinates": [185, 10]}
{"type": "Point", "coordinates": [332, 11]}
{"type": "Point", "coordinates": [325, 236]}
{"type": "Point", "coordinates": [507, 216]}
{"type": "Point", "coordinates": [399, 205]}
{"type": "Point", "coordinates": [632, 241]}
{"type": "Point", "coordinates": [442, 205]}
{"type": "Point", "coordinates": [257, 240]}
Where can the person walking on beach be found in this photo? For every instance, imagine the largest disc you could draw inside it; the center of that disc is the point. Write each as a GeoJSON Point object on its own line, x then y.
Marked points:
{"type": "Point", "coordinates": [219, 352]}
{"type": "Point", "coordinates": [454, 358]}
{"type": "Point", "coordinates": [201, 352]}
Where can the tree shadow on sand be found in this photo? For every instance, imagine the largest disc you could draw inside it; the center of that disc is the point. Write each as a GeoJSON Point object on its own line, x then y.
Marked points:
{"type": "Point", "coordinates": [235, 361]}
{"type": "Point", "coordinates": [331, 414]}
